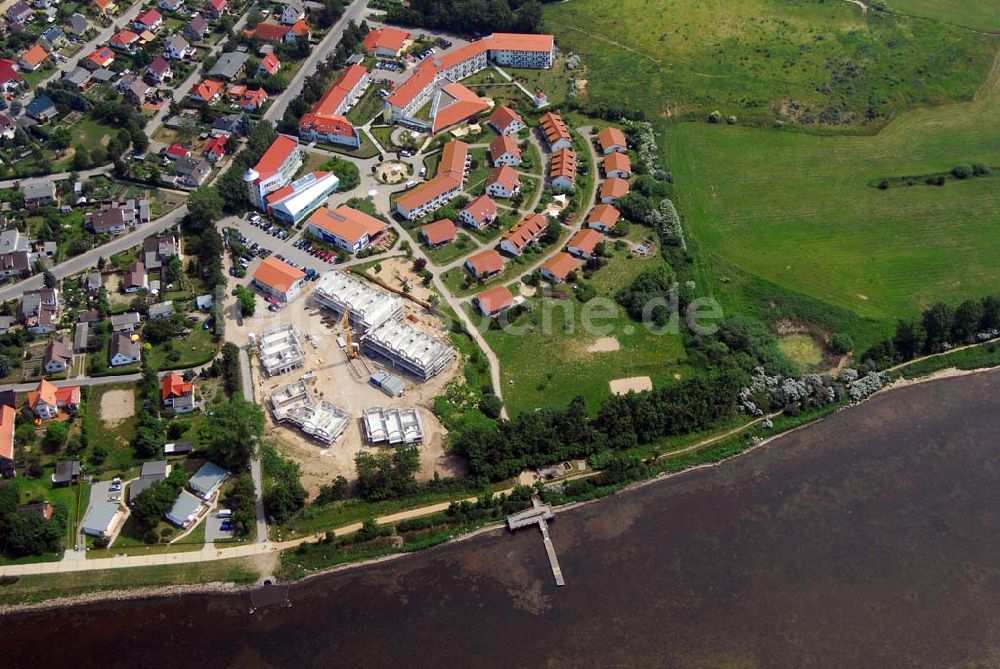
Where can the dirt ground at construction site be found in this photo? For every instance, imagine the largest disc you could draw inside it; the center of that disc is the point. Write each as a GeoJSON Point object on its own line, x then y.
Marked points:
{"type": "Point", "coordinates": [345, 384]}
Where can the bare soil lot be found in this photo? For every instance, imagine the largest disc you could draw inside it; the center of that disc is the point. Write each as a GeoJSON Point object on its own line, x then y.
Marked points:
{"type": "Point", "coordinates": [116, 406]}
{"type": "Point", "coordinates": [636, 383]}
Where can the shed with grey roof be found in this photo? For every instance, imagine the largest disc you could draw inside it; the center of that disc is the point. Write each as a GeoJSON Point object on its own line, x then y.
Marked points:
{"type": "Point", "coordinates": [101, 517]}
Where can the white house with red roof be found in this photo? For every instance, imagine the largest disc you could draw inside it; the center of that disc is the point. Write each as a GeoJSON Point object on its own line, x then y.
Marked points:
{"type": "Point", "coordinates": [385, 42]}
{"type": "Point", "coordinates": [493, 301]}
{"type": "Point", "coordinates": [103, 57]}
{"type": "Point", "coordinates": [274, 170]}
{"type": "Point", "coordinates": [584, 243]}
{"type": "Point", "coordinates": [528, 231]}
{"type": "Point", "coordinates": [215, 8]}
{"type": "Point", "coordinates": [177, 394]}
{"type": "Point", "coordinates": [479, 213]}
{"type": "Point", "coordinates": [253, 99]}
{"type": "Point", "coordinates": [503, 182]}
{"type": "Point", "coordinates": [269, 65]}
{"type": "Point", "coordinates": [7, 419]}
{"type": "Point", "coordinates": [215, 148]}
{"type": "Point", "coordinates": [159, 70]}
{"type": "Point", "coordinates": [505, 151]}
{"type": "Point", "coordinates": [326, 122]}
{"type": "Point", "coordinates": [506, 121]}
{"type": "Point", "coordinates": [484, 264]}
{"type": "Point", "coordinates": [207, 91]}
{"type": "Point", "coordinates": [150, 20]}
{"type": "Point", "coordinates": [9, 78]}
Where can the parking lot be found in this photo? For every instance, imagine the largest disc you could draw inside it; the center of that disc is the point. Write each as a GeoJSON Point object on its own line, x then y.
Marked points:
{"type": "Point", "coordinates": [213, 529]}
{"type": "Point", "coordinates": [275, 245]}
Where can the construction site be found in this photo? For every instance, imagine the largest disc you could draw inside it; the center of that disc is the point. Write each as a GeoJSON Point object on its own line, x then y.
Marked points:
{"type": "Point", "coordinates": [329, 392]}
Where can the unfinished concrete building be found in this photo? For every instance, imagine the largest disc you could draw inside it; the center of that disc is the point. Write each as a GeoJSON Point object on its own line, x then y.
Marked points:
{"type": "Point", "coordinates": [391, 426]}
{"type": "Point", "coordinates": [317, 419]}
{"type": "Point", "coordinates": [408, 349]}
{"type": "Point", "coordinates": [280, 350]}
{"type": "Point", "coordinates": [367, 307]}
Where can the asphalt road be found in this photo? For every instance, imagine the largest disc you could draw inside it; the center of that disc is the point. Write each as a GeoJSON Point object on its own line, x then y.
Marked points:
{"type": "Point", "coordinates": [89, 259]}
{"type": "Point", "coordinates": [356, 11]}
{"type": "Point", "coordinates": [255, 468]}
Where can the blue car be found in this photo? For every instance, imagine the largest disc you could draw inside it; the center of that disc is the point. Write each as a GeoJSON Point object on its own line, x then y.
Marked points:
{"type": "Point", "coordinates": [226, 527]}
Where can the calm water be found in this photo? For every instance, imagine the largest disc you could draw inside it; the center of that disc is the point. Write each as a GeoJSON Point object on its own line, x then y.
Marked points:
{"type": "Point", "coordinates": [871, 539]}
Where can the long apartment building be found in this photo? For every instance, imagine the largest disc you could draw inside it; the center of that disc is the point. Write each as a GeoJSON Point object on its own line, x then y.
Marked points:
{"type": "Point", "coordinates": [327, 122]}
{"type": "Point", "coordinates": [440, 190]}
{"type": "Point", "coordinates": [510, 49]}
{"type": "Point", "coordinates": [274, 170]}
{"type": "Point", "coordinates": [367, 307]}
{"type": "Point", "coordinates": [408, 349]}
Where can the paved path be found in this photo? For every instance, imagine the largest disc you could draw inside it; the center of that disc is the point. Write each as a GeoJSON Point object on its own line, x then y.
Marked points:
{"type": "Point", "coordinates": [354, 12]}
{"type": "Point", "coordinates": [61, 176]}
{"type": "Point", "coordinates": [255, 469]}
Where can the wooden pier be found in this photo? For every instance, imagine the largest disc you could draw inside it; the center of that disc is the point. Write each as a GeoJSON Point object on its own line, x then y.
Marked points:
{"type": "Point", "coordinates": [539, 514]}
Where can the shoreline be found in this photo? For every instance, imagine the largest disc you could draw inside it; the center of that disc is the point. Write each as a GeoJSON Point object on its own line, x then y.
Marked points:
{"type": "Point", "coordinates": [228, 588]}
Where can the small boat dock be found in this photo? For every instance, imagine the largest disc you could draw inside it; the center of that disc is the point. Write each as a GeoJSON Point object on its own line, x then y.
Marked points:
{"type": "Point", "coordinates": [539, 514]}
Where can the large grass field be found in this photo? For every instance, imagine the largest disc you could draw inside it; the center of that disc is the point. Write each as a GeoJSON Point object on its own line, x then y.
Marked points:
{"type": "Point", "coordinates": [978, 14]}
{"type": "Point", "coordinates": [762, 60]}
{"type": "Point", "coordinates": [798, 210]}
{"type": "Point", "coordinates": [549, 366]}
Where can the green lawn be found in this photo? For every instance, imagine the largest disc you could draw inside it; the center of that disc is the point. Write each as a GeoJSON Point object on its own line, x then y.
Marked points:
{"type": "Point", "coordinates": [47, 586]}
{"type": "Point", "coordinates": [41, 490]}
{"type": "Point", "coordinates": [797, 210]}
{"type": "Point", "coordinates": [193, 349]}
{"type": "Point", "coordinates": [462, 245]}
{"type": "Point", "coordinates": [979, 14]}
{"type": "Point", "coordinates": [558, 366]}
{"type": "Point", "coordinates": [754, 58]}
{"type": "Point", "coordinates": [367, 150]}
{"type": "Point", "coordinates": [117, 438]}
{"type": "Point", "coordinates": [367, 107]}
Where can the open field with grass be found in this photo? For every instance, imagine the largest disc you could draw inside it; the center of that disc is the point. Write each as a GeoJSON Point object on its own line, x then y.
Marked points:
{"type": "Point", "coordinates": [798, 210]}
{"type": "Point", "coordinates": [29, 589]}
{"type": "Point", "coordinates": [978, 14]}
{"type": "Point", "coordinates": [767, 59]}
{"type": "Point", "coordinates": [549, 366]}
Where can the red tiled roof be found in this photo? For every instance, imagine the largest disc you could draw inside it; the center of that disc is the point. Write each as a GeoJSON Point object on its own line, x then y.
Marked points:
{"type": "Point", "coordinates": [439, 232]}
{"type": "Point", "coordinates": [149, 18]}
{"type": "Point", "coordinates": [277, 274]}
{"type": "Point", "coordinates": [102, 56]}
{"type": "Point", "coordinates": [614, 187]}
{"type": "Point", "coordinates": [495, 299]}
{"type": "Point", "coordinates": [466, 105]}
{"type": "Point", "coordinates": [7, 71]}
{"type": "Point", "coordinates": [503, 116]}
{"type": "Point", "coordinates": [385, 38]}
{"type": "Point", "coordinates": [323, 116]}
{"type": "Point", "coordinates": [207, 89]}
{"type": "Point", "coordinates": [604, 214]}
{"type": "Point", "coordinates": [609, 137]}
{"type": "Point", "coordinates": [453, 157]}
{"type": "Point", "coordinates": [269, 32]}
{"type": "Point", "coordinates": [528, 230]}
{"type": "Point", "coordinates": [586, 240]}
{"type": "Point", "coordinates": [427, 191]}
{"type": "Point", "coordinates": [482, 208]}
{"type": "Point", "coordinates": [270, 63]}
{"type": "Point", "coordinates": [560, 265]}
{"type": "Point", "coordinates": [486, 262]}
{"type": "Point", "coordinates": [553, 127]}
{"type": "Point", "coordinates": [216, 145]}
{"type": "Point", "coordinates": [275, 155]}
{"type": "Point", "coordinates": [347, 223]}
{"type": "Point", "coordinates": [174, 385]}
{"type": "Point", "coordinates": [178, 151]}
{"type": "Point", "coordinates": [504, 175]}
{"type": "Point", "coordinates": [35, 56]}
{"type": "Point", "coordinates": [617, 161]}
{"type": "Point", "coordinates": [503, 145]}
{"type": "Point", "coordinates": [563, 164]}
{"type": "Point", "coordinates": [7, 417]}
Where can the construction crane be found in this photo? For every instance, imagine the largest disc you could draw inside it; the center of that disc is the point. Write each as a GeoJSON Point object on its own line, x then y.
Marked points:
{"type": "Point", "coordinates": [345, 325]}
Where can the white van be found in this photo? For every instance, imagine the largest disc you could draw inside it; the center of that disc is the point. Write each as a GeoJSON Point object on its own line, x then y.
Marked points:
{"type": "Point", "coordinates": [224, 513]}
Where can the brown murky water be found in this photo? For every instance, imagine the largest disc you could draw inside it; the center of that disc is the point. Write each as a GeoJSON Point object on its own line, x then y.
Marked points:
{"type": "Point", "coordinates": [871, 539]}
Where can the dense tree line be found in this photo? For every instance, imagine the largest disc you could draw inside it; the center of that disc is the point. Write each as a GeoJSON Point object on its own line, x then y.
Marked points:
{"type": "Point", "coordinates": [231, 373]}
{"type": "Point", "coordinates": [151, 430]}
{"type": "Point", "coordinates": [465, 16]}
{"type": "Point", "coordinates": [29, 534]}
{"type": "Point", "coordinates": [150, 505]}
{"type": "Point", "coordinates": [283, 493]}
{"type": "Point", "coordinates": [387, 474]}
{"type": "Point", "coordinates": [231, 433]}
{"type": "Point", "coordinates": [242, 501]}
{"type": "Point", "coordinates": [939, 328]}
{"type": "Point", "coordinates": [648, 295]}
{"type": "Point", "coordinates": [532, 439]}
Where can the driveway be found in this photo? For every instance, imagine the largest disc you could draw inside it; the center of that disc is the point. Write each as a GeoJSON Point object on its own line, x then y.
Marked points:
{"type": "Point", "coordinates": [212, 531]}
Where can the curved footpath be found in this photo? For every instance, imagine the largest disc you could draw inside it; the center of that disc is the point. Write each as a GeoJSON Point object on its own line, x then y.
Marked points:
{"type": "Point", "coordinates": [262, 548]}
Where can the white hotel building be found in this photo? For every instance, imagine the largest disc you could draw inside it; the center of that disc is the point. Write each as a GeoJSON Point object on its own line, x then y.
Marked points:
{"type": "Point", "coordinates": [274, 170]}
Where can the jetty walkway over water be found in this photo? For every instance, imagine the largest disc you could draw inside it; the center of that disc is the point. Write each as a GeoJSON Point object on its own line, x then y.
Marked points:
{"type": "Point", "coordinates": [539, 514]}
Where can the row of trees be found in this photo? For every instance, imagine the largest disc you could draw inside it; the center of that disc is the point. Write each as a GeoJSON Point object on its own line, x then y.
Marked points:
{"type": "Point", "coordinates": [151, 504]}
{"type": "Point", "coordinates": [940, 327]}
{"type": "Point", "coordinates": [464, 16]}
{"type": "Point", "coordinates": [501, 450]}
